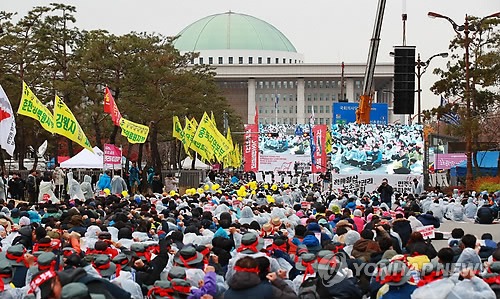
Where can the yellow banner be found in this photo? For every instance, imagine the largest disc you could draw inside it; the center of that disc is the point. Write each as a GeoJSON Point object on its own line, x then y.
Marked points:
{"type": "Point", "coordinates": [189, 131]}
{"type": "Point", "coordinates": [229, 159]}
{"type": "Point", "coordinates": [178, 133]}
{"type": "Point", "coordinates": [31, 106]}
{"type": "Point", "coordinates": [66, 125]}
{"type": "Point", "coordinates": [328, 142]}
{"type": "Point", "coordinates": [208, 135]}
{"type": "Point", "coordinates": [213, 118]}
{"type": "Point", "coordinates": [135, 133]}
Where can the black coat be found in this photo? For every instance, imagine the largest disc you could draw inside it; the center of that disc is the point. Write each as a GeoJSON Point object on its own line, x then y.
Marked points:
{"type": "Point", "coordinates": [248, 285]}
{"type": "Point", "coordinates": [485, 214]}
{"type": "Point", "coordinates": [422, 248]}
{"type": "Point", "coordinates": [403, 228]}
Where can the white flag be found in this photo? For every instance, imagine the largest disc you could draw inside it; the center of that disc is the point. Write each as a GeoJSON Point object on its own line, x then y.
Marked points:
{"type": "Point", "coordinates": [7, 124]}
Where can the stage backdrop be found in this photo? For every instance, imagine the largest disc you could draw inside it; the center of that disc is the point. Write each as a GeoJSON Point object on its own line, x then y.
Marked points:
{"type": "Point", "coordinates": [356, 149]}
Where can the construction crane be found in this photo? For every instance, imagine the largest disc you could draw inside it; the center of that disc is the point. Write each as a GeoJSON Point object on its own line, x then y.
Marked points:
{"type": "Point", "coordinates": [366, 99]}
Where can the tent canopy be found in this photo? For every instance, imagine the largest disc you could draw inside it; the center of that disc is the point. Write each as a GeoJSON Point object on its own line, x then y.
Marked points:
{"type": "Point", "coordinates": [186, 164]}
{"type": "Point", "coordinates": [85, 159]}
{"type": "Point", "coordinates": [487, 164]}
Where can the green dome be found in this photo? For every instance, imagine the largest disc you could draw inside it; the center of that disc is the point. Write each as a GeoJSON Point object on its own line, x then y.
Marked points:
{"type": "Point", "coordinates": [232, 31]}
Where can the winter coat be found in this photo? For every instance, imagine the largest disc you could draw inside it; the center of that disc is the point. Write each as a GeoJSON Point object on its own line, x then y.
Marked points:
{"type": "Point", "coordinates": [86, 187]}
{"type": "Point", "coordinates": [47, 193]}
{"type": "Point", "coordinates": [3, 189]}
{"type": "Point", "coordinates": [346, 288]}
{"type": "Point", "coordinates": [400, 292]}
{"type": "Point", "coordinates": [403, 228]}
{"type": "Point", "coordinates": [428, 219]}
{"type": "Point", "coordinates": [118, 185]}
{"type": "Point", "coordinates": [249, 285]}
{"type": "Point", "coordinates": [385, 193]}
{"type": "Point", "coordinates": [485, 215]}
{"type": "Point", "coordinates": [104, 182]}
{"type": "Point", "coordinates": [359, 222]}
{"type": "Point", "coordinates": [456, 212]}
{"type": "Point", "coordinates": [364, 249]}
{"type": "Point", "coordinates": [422, 248]}
{"type": "Point", "coordinates": [470, 208]}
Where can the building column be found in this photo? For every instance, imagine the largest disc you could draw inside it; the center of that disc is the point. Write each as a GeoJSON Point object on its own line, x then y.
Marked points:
{"type": "Point", "coordinates": [301, 116]}
{"type": "Point", "coordinates": [349, 87]}
{"type": "Point", "coordinates": [251, 101]}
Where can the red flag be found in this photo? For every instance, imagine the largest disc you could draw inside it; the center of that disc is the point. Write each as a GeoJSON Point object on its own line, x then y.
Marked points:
{"type": "Point", "coordinates": [111, 108]}
{"type": "Point", "coordinates": [256, 119]}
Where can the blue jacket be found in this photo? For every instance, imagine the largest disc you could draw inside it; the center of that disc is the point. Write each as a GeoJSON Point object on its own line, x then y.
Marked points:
{"type": "Point", "coordinates": [400, 292]}
{"type": "Point", "coordinates": [428, 219]}
{"type": "Point", "coordinates": [104, 182]}
{"type": "Point", "coordinates": [248, 285]}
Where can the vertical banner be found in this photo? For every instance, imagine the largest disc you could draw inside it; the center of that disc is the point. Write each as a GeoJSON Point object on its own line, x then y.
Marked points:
{"type": "Point", "coordinates": [112, 154]}
{"type": "Point", "coordinates": [251, 152]}
{"type": "Point", "coordinates": [319, 135]}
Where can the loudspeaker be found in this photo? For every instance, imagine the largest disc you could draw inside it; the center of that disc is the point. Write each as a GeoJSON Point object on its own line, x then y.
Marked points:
{"type": "Point", "coordinates": [404, 79]}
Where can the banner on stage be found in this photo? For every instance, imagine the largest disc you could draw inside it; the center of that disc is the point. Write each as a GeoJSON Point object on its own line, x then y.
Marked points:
{"type": "Point", "coordinates": [368, 183]}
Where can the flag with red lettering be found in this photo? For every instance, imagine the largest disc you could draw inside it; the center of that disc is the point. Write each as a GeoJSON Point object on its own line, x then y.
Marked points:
{"type": "Point", "coordinates": [251, 148]}
{"type": "Point", "coordinates": [7, 124]}
{"type": "Point", "coordinates": [111, 108]}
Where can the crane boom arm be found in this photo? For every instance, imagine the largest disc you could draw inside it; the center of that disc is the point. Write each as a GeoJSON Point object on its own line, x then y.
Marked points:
{"type": "Point", "coordinates": [363, 112]}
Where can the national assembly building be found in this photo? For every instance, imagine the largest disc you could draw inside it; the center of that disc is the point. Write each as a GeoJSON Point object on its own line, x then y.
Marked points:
{"type": "Point", "coordinates": [258, 66]}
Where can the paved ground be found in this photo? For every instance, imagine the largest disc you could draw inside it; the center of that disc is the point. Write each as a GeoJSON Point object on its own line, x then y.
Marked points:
{"type": "Point", "coordinates": [469, 228]}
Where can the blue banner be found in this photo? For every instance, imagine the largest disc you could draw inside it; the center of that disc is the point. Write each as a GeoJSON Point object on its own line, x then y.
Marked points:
{"type": "Point", "coordinates": [344, 113]}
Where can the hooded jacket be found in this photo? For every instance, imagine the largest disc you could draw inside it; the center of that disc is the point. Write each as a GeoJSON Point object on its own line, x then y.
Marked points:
{"type": "Point", "coordinates": [248, 285]}
{"type": "Point", "coordinates": [104, 182]}
{"type": "Point", "coordinates": [46, 193]}
{"type": "Point", "coordinates": [74, 189]}
{"type": "Point", "coordinates": [470, 208]}
{"type": "Point", "coordinates": [485, 215]}
{"type": "Point", "coordinates": [403, 228]}
{"type": "Point", "coordinates": [86, 187]}
{"type": "Point", "coordinates": [428, 219]}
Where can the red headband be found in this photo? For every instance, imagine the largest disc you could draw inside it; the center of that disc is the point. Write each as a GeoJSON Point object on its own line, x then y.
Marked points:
{"type": "Point", "coordinates": [181, 289]}
{"type": "Point", "coordinates": [160, 292]}
{"type": "Point", "coordinates": [205, 251]}
{"type": "Point", "coordinates": [251, 270]}
{"type": "Point", "coordinates": [309, 268]}
{"type": "Point", "coordinates": [50, 267]}
{"type": "Point", "coordinates": [18, 259]}
{"type": "Point", "coordinates": [252, 247]}
{"type": "Point", "coordinates": [101, 267]}
{"type": "Point", "coordinates": [2, 286]}
{"type": "Point", "coordinates": [396, 277]}
{"type": "Point", "coordinates": [492, 280]}
{"type": "Point", "coordinates": [145, 254]}
{"type": "Point", "coordinates": [186, 261]}
{"type": "Point", "coordinates": [40, 280]}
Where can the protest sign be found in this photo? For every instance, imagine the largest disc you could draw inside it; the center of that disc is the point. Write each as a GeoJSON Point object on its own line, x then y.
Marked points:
{"type": "Point", "coordinates": [427, 231]}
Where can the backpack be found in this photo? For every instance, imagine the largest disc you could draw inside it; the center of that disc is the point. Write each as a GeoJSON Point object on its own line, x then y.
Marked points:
{"type": "Point", "coordinates": [309, 289]}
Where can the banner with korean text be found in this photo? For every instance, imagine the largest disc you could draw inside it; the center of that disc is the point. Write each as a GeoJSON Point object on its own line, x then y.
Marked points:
{"type": "Point", "coordinates": [31, 106]}
{"type": "Point", "coordinates": [112, 154]}
{"type": "Point", "coordinates": [135, 133]}
{"type": "Point", "coordinates": [319, 135]}
{"type": "Point", "coordinates": [400, 183]}
{"type": "Point", "coordinates": [251, 148]}
{"type": "Point", "coordinates": [66, 125]}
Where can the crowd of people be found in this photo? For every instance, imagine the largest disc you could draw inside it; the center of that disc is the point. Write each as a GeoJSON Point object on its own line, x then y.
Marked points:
{"type": "Point", "coordinates": [369, 147]}
{"type": "Point", "coordinates": [234, 237]}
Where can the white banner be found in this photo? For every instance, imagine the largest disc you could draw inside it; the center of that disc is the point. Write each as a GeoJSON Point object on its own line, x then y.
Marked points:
{"type": "Point", "coordinates": [7, 124]}
{"type": "Point", "coordinates": [367, 183]}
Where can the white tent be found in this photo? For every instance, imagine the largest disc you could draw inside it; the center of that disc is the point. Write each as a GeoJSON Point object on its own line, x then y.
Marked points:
{"type": "Point", "coordinates": [186, 164]}
{"type": "Point", "coordinates": [85, 159]}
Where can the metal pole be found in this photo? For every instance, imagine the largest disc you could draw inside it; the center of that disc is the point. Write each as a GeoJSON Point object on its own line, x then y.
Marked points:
{"type": "Point", "coordinates": [468, 133]}
{"type": "Point", "coordinates": [419, 74]}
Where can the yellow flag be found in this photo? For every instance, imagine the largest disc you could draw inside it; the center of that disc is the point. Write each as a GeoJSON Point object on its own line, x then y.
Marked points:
{"type": "Point", "coordinates": [189, 131]}
{"type": "Point", "coordinates": [208, 135]}
{"type": "Point", "coordinates": [66, 125]}
{"type": "Point", "coordinates": [135, 133]}
{"type": "Point", "coordinates": [31, 106]}
{"type": "Point", "coordinates": [178, 132]}
{"type": "Point", "coordinates": [194, 122]}
{"type": "Point", "coordinates": [229, 159]}
{"type": "Point", "coordinates": [328, 142]}
{"type": "Point", "coordinates": [213, 118]}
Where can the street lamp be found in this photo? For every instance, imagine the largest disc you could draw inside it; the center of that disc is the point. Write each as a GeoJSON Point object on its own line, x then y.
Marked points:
{"type": "Point", "coordinates": [466, 29]}
{"type": "Point", "coordinates": [420, 72]}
